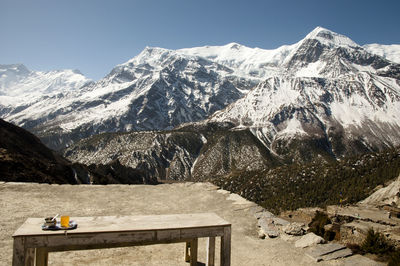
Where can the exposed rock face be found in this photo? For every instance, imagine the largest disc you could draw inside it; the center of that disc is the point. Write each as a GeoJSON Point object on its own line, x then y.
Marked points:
{"type": "Point", "coordinates": [193, 152]}
{"type": "Point", "coordinates": [387, 195]}
{"type": "Point", "coordinates": [168, 155]}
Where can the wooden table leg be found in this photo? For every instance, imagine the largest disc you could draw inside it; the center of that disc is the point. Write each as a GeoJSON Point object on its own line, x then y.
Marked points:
{"type": "Point", "coordinates": [211, 251]}
{"type": "Point", "coordinates": [193, 252]}
{"type": "Point", "coordinates": [18, 252]}
{"type": "Point", "coordinates": [29, 256]}
{"type": "Point", "coordinates": [42, 256]}
{"type": "Point", "coordinates": [22, 256]}
{"type": "Point", "coordinates": [187, 255]}
{"type": "Point", "coordinates": [226, 247]}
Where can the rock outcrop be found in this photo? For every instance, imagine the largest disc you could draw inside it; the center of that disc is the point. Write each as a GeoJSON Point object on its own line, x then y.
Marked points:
{"type": "Point", "coordinates": [308, 240]}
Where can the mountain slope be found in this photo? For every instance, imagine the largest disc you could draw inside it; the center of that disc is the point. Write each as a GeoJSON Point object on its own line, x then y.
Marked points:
{"type": "Point", "coordinates": [349, 116]}
{"type": "Point", "coordinates": [294, 186]}
{"type": "Point", "coordinates": [191, 152]}
{"type": "Point", "coordinates": [23, 158]}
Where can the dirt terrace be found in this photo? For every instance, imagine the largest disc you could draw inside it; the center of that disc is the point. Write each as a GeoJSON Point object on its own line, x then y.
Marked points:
{"type": "Point", "coordinates": [19, 201]}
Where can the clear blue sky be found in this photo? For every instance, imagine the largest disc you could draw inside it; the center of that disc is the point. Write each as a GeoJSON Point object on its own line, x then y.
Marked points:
{"type": "Point", "coordinates": [94, 36]}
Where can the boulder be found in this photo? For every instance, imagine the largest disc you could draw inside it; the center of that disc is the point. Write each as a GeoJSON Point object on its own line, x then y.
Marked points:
{"type": "Point", "coordinates": [261, 233]}
{"type": "Point", "coordinates": [296, 229]}
{"type": "Point", "coordinates": [309, 239]}
{"type": "Point", "coordinates": [268, 228]}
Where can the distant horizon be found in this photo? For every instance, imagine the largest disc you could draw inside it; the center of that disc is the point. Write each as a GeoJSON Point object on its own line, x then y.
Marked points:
{"type": "Point", "coordinates": [95, 36]}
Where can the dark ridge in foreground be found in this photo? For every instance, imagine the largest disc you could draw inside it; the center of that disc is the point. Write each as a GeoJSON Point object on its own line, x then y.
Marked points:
{"type": "Point", "coordinates": [24, 158]}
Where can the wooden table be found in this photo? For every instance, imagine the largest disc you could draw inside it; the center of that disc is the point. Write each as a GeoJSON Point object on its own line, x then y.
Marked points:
{"type": "Point", "coordinates": [32, 244]}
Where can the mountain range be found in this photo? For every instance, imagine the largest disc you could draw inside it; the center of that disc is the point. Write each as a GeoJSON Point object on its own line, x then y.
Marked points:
{"type": "Point", "coordinates": [209, 111]}
{"type": "Point", "coordinates": [322, 82]}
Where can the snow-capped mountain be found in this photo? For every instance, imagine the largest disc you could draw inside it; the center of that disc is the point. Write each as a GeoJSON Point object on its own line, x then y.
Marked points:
{"type": "Point", "coordinates": [334, 91]}
{"type": "Point", "coordinates": [346, 115]}
{"type": "Point", "coordinates": [160, 89]}
{"type": "Point", "coordinates": [18, 85]}
{"type": "Point", "coordinates": [29, 94]}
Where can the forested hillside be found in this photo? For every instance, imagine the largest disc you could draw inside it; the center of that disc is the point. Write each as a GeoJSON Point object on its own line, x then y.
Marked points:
{"type": "Point", "coordinates": [315, 184]}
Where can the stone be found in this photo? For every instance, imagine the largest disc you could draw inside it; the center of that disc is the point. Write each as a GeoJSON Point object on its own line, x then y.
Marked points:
{"type": "Point", "coordinates": [309, 239]}
{"type": "Point", "coordinates": [338, 254]}
{"type": "Point", "coordinates": [322, 250]}
{"type": "Point", "coordinates": [296, 229]}
{"type": "Point", "coordinates": [261, 233]}
{"type": "Point", "coordinates": [272, 233]}
{"type": "Point", "coordinates": [268, 228]}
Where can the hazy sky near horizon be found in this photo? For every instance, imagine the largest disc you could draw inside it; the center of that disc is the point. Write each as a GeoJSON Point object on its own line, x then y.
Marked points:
{"type": "Point", "coordinates": [94, 36]}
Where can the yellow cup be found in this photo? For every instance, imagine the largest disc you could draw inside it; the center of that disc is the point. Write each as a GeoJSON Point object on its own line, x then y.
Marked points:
{"type": "Point", "coordinates": [64, 221]}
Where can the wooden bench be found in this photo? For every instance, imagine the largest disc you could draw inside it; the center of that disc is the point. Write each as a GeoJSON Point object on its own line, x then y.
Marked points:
{"type": "Point", "coordinates": [32, 244]}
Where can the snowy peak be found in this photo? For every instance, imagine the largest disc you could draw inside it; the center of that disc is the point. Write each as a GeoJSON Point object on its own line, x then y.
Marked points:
{"type": "Point", "coordinates": [11, 73]}
{"type": "Point", "coordinates": [323, 53]}
{"type": "Point", "coordinates": [150, 55]}
{"type": "Point", "coordinates": [16, 68]}
{"type": "Point", "coordinates": [18, 85]}
{"type": "Point", "coordinates": [330, 38]}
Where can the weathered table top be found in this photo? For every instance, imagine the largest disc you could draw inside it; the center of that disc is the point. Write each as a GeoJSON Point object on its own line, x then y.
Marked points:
{"type": "Point", "coordinates": [32, 226]}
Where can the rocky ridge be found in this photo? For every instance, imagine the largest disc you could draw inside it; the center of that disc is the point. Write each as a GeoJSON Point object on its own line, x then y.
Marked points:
{"type": "Point", "coordinates": [24, 158]}
{"type": "Point", "coordinates": [192, 152]}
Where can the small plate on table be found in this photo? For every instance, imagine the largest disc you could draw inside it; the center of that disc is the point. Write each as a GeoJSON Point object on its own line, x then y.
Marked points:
{"type": "Point", "coordinates": [72, 225]}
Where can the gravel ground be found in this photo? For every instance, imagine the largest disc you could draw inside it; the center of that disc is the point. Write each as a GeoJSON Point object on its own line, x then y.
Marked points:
{"type": "Point", "coordinates": [18, 201]}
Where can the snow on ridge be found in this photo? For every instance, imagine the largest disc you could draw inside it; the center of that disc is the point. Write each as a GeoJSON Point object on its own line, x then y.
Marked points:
{"type": "Point", "coordinates": [293, 127]}
{"type": "Point", "coordinates": [351, 102]}
{"type": "Point", "coordinates": [233, 53]}
{"type": "Point", "coordinates": [390, 52]}
{"type": "Point", "coordinates": [244, 61]}
{"type": "Point", "coordinates": [149, 55]}
{"type": "Point", "coordinates": [37, 84]}
{"type": "Point", "coordinates": [330, 38]}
